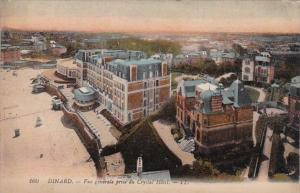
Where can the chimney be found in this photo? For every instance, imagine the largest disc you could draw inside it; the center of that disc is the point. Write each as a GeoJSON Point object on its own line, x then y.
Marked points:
{"type": "Point", "coordinates": [133, 72]}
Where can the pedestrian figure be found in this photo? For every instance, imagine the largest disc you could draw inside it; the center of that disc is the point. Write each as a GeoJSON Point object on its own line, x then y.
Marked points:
{"type": "Point", "coordinates": [17, 132]}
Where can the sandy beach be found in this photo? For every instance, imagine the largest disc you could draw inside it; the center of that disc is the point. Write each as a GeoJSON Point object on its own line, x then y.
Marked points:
{"type": "Point", "coordinates": [53, 149]}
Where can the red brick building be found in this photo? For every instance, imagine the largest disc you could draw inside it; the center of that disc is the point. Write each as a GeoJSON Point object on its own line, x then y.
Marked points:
{"type": "Point", "coordinates": [128, 85]}
{"type": "Point", "coordinates": [213, 116]}
{"type": "Point", "coordinates": [294, 104]}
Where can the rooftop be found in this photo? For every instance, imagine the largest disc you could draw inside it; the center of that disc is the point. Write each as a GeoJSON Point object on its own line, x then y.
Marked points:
{"type": "Point", "coordinates": [68, 63]}
{"type": "Point", "coordinates": [84, 94]}
{"type": "Point", "coordinates": [135, 62]}
{"type": "Point", "coordinates": [236, 94]}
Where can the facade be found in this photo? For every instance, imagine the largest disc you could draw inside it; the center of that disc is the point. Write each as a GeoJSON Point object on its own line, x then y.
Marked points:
{"type": "Point", "coordinates": [85, 98]}
{"type": "Point", "coordinates": [9, 54]}
{"type": "Point", "coordinates": [129, 88]}
{"type": "Point", "coordinates": [67, 68]}
{"type": "Point", "coordinates": [248, 69]}
{"type": "Point", "coordinates": [294, 103]}
{"type": "Point", "coordinates": [258, 69]}
{"type": "Point", "coordinates": [213, 116]}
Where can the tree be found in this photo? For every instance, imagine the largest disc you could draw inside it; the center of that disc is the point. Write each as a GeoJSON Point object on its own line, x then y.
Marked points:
{"type": "Point", "coordinates": [277, 161]}
{"type": "Point", "coordinates": [72, 48]}
{"type": "Point", "coordinates": [293, 164]}
{"type": "Point", "coordinates": [277, 123]}
{"type": "Point", "coordinates": [239, 49]}
{"type": "Point", "coordinates": [199, 169]}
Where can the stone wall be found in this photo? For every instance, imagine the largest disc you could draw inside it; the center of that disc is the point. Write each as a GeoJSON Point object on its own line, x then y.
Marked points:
{"type": "Point", "coordinates": [85, 134]}
{"type": "Point", "coordinates": [52, 90]}
{"type": "Point", "coordinates": [87, 139]}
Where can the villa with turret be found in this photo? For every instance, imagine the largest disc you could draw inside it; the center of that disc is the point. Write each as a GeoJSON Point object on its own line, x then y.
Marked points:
{"type": "Point", "coordinates": [215, 117]}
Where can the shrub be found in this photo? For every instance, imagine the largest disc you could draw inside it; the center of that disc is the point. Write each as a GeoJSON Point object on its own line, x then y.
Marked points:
{"type": "Point", "coordinates": [293, 164]}
{"type": "Point", "coordinates": [277, 161]}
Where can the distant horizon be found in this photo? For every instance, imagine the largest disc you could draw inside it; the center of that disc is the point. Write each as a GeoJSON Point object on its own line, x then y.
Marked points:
{"type": "Point", "coordinates": [149, 33]}
{"type": "Point", "coordinates": [153, 17]}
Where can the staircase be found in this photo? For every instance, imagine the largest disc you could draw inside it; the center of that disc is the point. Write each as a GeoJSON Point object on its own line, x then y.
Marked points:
{"type": "Point", "coordinates": [89, 125]}
{"type": "Point", "coordinates": [99, 109]}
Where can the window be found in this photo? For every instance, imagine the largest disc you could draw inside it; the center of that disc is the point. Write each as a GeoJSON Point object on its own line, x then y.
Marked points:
{"type": "Point", "coordinates": [245, 77]}
{"type": "Point", "coordinates": [129, 116]}
{"type": "Point", "coordinates": [157, 83]}
{"type": "Point", "coordinates": [145, 84]}
{"type": "Point", "coordinates": [247, 70]}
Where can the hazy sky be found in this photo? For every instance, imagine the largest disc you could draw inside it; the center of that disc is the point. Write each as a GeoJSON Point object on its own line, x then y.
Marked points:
{"type": "Point", "coordinates": [153, 15]}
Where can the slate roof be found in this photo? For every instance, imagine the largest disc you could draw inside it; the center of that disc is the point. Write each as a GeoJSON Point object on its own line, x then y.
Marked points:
{"type": "Point", "coordinates": [115, 54]}
{"type": "Point", "coordinates": [86, 96]}
{"type": "Point", "coordinates": [188, 87]}
{"type": "Point", "coordinates": [145, 68]}
{"type": "Point", "coordinates": [235, 95]}
{"type": "Point", "coordinates": [241, 97]}
{"type": "Point", "coordinates": [140, 62]}
{"type": "Point", "coordinates": [206, 98]}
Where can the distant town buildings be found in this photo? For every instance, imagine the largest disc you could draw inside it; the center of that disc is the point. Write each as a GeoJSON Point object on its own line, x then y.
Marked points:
{"type": "Point", "coordinates": [168, 58]}
{"type": "Point", "coordinates": [57, 49]}
{"type": "Point", "coordinates": [9, 54]}
{"type": "Point", "coordinates": [214, 116]}
{"type": "Point", "coordinates": [128, 85]}
{"type": "Point", "coordinates": [258, 68]}
{"type": "Point", "coordinates": [222, 56]}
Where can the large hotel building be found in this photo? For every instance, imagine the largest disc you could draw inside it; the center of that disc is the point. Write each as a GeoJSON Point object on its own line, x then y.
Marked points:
{"type": "Point", "coordinates": [128, 85]}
